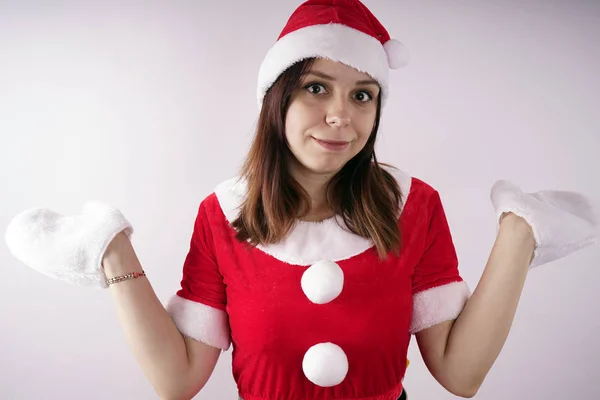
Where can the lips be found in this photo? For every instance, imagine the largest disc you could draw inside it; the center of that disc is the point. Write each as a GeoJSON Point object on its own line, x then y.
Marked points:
{"type": "Point", "coordinates": [335, 145]}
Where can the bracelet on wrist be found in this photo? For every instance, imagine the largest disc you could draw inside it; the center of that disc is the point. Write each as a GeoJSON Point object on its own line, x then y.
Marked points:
{"type": "Point", "coordinates": [126, 277]}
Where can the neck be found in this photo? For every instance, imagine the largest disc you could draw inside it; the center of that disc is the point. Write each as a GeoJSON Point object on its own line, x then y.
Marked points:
{"type": "Point", "coordinates": [314, 184]}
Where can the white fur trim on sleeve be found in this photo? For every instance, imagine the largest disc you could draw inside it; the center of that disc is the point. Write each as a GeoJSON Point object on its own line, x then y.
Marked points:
{"type": "Point", "coordinates": [438, 304]}
{"type": "Point", "coordinates": [200, 322]}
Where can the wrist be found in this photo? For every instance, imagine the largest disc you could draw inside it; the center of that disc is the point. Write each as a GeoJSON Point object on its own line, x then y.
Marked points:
{"type": "Point", "coordinates": [119, 257]}
{"type": "Point", "coordinates": [518, 230]}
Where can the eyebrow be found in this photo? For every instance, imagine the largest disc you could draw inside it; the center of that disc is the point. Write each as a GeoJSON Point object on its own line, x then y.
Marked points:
{"type": "Point", "coordinates": [331, 78]}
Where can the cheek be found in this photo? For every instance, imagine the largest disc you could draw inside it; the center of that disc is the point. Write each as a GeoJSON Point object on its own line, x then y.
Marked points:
{"type": "Point", "coordinates": [291, 131]}
{"type": "Point", "coordinates": [298, 121]}
{"type": "Point", "coordinates": [365, 125]}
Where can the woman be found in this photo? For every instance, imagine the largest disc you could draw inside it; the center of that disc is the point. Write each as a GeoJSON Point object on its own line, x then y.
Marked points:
{"type": "Point", "coordinates": [318, 263]}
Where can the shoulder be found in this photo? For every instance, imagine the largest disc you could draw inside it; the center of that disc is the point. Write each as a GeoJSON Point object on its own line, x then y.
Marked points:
{"type": "Point", "coordinates": [223, 203]}
{"type": "Point", "coordinates": [415, 191]}
{"type": "Point", "coordinates": [229, 194]}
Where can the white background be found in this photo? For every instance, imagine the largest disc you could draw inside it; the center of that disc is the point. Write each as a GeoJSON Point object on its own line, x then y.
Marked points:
{"type": "Point", "coordinates": [149, 105]}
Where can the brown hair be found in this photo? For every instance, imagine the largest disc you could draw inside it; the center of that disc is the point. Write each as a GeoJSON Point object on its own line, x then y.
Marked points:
{"type": "Point", "coordinates": [362, 192]}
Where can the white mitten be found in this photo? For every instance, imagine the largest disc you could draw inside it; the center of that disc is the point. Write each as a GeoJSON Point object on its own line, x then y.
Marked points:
{"type": "Point", "coordinates": [562, 221]}
{"type": "Point", "coordinates": [68, 248]}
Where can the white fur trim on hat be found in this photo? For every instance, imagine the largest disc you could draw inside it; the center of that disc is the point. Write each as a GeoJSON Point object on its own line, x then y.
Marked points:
{"type": "Point", "coordinates": [336, 42]}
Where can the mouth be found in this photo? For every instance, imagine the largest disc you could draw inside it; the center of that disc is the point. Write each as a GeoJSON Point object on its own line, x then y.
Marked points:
{"type": "Point", "coordinates": [334, 145]}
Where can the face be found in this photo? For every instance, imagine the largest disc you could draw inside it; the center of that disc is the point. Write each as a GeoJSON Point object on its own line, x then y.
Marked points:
{"type": "Point", "coordinates": [330, 118]}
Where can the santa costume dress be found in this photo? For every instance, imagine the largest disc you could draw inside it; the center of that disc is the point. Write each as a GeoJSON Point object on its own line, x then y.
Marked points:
{"type": "Point", "coordinates": [318, 315]}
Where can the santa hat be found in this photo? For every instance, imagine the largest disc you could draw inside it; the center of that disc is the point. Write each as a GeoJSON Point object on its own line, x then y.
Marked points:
{"type": "Point", "coordinates": [339, 30]}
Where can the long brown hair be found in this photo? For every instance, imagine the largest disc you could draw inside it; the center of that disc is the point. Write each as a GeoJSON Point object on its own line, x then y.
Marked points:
{"type": "Point", "coordinates": [362, 192]}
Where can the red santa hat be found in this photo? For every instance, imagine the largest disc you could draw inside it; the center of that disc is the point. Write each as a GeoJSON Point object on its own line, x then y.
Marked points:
{"type": "Point", "coordinates": [339, 30]}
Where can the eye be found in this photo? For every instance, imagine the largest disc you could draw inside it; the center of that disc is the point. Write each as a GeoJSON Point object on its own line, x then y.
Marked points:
{"type": "Point", "coordinates": [315, 88]}
{"type": "Point", "coordinates": [363, 96]}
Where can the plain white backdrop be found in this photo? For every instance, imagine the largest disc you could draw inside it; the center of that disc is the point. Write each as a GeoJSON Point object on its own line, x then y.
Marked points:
{"type": "Point", "coordinates": [149, 105]}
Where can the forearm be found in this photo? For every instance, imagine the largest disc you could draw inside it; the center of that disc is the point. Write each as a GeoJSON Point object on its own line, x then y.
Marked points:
{"type": "Point", "coordinates": [479, 333]}
{"type": "Point", "coordinates": [151, 334]}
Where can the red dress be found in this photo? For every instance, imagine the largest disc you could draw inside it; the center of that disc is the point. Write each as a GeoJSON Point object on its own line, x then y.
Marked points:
{"type": "Point", "coordinates": [318, 315]}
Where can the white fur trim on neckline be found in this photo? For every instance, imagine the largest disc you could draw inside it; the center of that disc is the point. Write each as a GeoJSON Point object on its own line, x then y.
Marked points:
{"type": "Point", "coordinates": [308, 242]}
{"type": "Point", "coordinates": [333, 41]}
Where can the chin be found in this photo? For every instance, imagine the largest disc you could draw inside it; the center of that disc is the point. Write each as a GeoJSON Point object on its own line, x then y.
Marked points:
{"type": "Point", "coordinates": [329, 168]}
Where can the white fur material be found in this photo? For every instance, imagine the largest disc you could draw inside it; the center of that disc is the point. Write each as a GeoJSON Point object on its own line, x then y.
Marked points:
{"type": "Point", "coordinates": [439, 304]}
{"type": "Point", "coordinates": [308, 242]}
{"type": "Point", "coordinates": [325, 364]}
{"type": "Point", "coordinates": [68, 248]}
{"type": "Point", "coordinates": [203, 323]}
{"type": "Point", "coordinates": [562, 221]}
{"type": "Point", "coordinates": [397, 54]}
{"type": "Point", "coordinates": [336, 42]}
{"type": "Point", "coordinates": [322, 282]}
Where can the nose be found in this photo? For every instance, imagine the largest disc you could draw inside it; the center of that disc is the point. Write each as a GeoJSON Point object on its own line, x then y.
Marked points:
{"type": "Point", "coordinates": [338, 114]}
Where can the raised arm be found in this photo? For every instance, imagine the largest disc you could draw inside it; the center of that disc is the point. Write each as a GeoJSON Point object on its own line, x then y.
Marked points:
{"type": "Point", "coordinates": [176, 366]}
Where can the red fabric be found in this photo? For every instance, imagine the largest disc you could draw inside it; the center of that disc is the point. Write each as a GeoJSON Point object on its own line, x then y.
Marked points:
{"type": "Point", "coordinates": [202, 281]}
{"type": "Point", "coordinates": [439, 262]}
{"type": "Point", "coordinates": [273, 323]}
{"type": "Point", "coordinates": [351, 13]}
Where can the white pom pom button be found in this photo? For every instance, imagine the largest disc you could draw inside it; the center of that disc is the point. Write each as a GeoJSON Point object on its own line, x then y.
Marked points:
{"type": "Point", "coordinates": [322, 282]}
{"type": "Point", "coordinates": [325, 364]}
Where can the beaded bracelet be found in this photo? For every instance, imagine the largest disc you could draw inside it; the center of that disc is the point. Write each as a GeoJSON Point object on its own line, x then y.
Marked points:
{"type": "Point", "coordinates": [131, 275]}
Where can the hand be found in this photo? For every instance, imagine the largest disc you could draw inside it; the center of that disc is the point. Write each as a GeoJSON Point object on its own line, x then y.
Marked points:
{"type": "Point", "coordinates": [563, 221]}
{"type": "Point", "coordinates": [68, 247]}
{"type": "Point", "coordinates": [518, 224]}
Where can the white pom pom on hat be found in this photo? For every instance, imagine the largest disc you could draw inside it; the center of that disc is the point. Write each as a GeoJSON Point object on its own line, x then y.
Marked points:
{"type": "Point", "coordinates": [397, 54]}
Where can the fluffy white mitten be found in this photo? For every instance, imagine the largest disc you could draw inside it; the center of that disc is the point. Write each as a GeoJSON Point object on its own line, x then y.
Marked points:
{"type": "Point", "coordinates": [68, 248]}
{"type": "Point", "coordinates": [562, 221]}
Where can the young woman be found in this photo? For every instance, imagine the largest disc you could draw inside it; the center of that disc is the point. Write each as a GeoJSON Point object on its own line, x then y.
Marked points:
{"type": "Point", "coordinates": [317, 263]}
